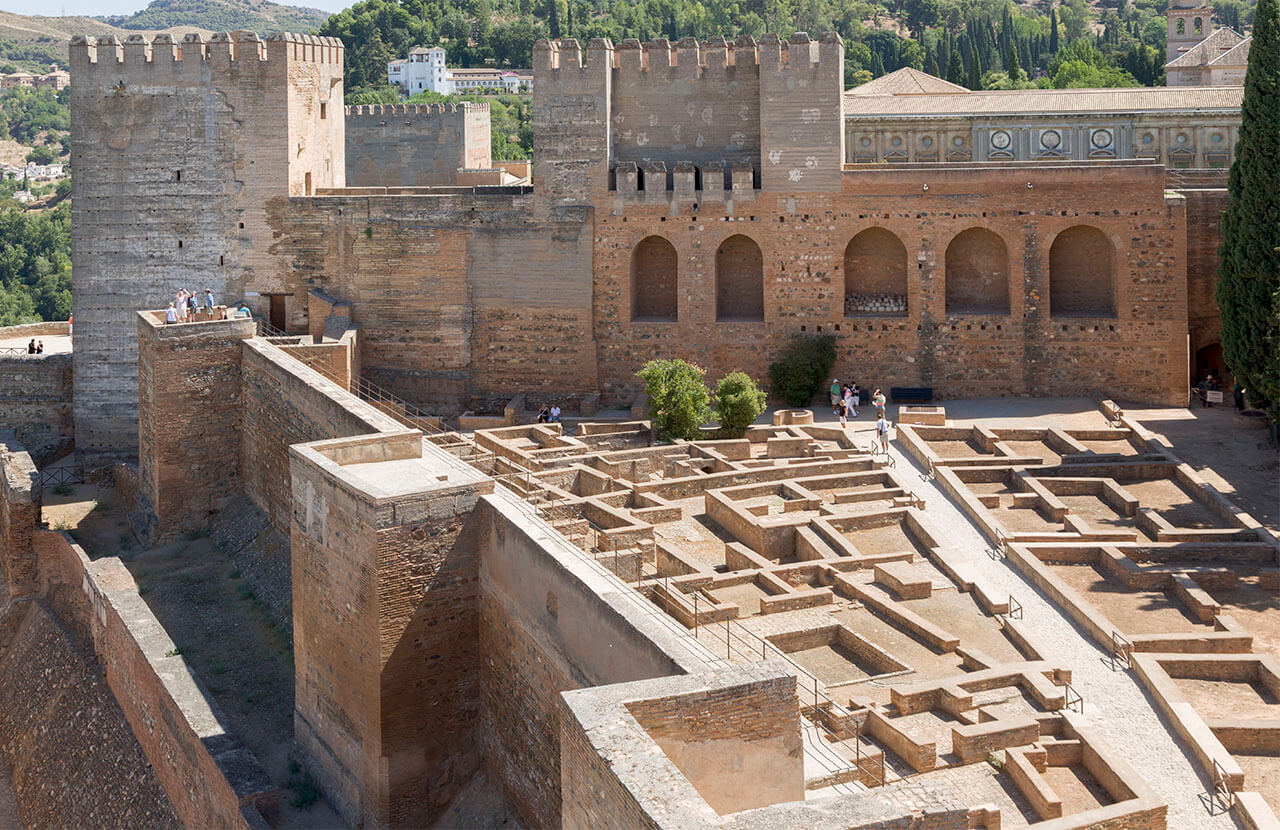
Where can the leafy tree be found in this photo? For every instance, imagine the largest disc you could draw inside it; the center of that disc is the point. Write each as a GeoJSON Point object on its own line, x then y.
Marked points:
{"type": "Point", "coordinates": [738, 402]}
{"type": "Point", "coordinates": [920, 15]}
{"type": "Point", "coordinates": [1248, 289]}
{"type": "Point", "coordinates": [678, 398]}
{"type": "Point", "coordinates": [43, 154]}
{"type": "Point", "coordinates": [803, 368]}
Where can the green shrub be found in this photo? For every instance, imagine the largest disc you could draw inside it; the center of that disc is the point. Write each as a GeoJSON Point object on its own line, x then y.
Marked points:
{"type": "Point", "coordinates": [738, 403]}
{"type": "Point", "coordinates": [678, 398]}
{"type": "Point", "coordinates": [804, 368]}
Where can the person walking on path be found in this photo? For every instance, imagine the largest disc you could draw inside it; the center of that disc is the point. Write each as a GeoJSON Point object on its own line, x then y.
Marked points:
{"type": "Point", "coordinates": [878, 400]}
{"type": "Point", "coordinates": [835, 394]}
{"type": "Point", "coordinates": [842, 409]}
{"type": "Point", "coordinates": [849, 407]}
{"type": "Point", "coordinates": [882, 429]}
{"type": "Point", "coordinates": [857, 397]}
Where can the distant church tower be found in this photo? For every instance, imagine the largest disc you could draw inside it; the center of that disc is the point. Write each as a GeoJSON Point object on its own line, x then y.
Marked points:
{"type": "Point", "coordinates": [1189, 23]}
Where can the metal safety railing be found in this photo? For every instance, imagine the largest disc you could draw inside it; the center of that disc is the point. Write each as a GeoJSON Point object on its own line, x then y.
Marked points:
{"type": "Point", "coordinates": [1015, 610]}
{"type": "Point", "coordinates": [59, 476]}
{"type": "Point", "coordinates": [1073, 700]}
{"type": "Point", "coordinates": [1121, 649]}
{"type": "Point", "coordinates": [1222, 785]}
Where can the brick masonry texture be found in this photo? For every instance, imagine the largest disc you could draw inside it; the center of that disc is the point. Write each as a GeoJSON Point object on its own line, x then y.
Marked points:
{"type": "Point", "coordinates": [61, 727]}
{"type": "Point", "coordinates": [35, 396]}
{"type": "Point", "coordinates": [208, 775]}
{"type": "Point", "coordinates": [415, 146]}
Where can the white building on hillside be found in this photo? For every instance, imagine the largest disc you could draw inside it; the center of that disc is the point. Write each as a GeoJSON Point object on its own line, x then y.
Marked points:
{"type": "Point", "coordinates": [424, 71]}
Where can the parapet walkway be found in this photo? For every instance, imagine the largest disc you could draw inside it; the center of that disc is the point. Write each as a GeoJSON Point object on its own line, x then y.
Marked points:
{"type": "Point", "coordinates": [1114, 700]}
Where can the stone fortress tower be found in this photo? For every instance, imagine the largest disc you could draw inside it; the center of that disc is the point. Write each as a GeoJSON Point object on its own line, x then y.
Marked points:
{"type": "Point", "coordinates": [180, 152]}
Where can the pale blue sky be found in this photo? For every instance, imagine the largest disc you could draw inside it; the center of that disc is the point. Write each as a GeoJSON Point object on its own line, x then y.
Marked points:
{"type": "Point", "coordinates": [99, 7]}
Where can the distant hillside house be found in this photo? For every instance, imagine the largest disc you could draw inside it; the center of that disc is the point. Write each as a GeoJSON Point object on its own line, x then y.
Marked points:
{"type": "Point", "coordinates": [54, 80]}
{"type": "Point", "coordinates": [424, 71]}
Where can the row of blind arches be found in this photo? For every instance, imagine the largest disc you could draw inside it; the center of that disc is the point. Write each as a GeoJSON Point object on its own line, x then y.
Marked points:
{"type": "Point", "coordinates": [976, 267]}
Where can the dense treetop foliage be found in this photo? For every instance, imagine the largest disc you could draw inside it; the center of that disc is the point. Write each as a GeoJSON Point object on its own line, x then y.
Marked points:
{"type": "Point", "coordinates": [1248, 288]}
{"type": "Point", "coordinates": [35, 263]}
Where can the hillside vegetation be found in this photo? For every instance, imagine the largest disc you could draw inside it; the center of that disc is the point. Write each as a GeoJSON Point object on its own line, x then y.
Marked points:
{"type": "Point", "coordinates": [259, 16]}
{"type": "Point", "coordinates": [990, 44]}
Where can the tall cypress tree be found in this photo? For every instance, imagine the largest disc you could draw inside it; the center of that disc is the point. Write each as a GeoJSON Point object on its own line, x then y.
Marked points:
{"type": "Point", "coordinates": [1053, 30]}
{"type": "Point", "coordinates": [1248, 289]}
{"type": "Point", "coordinates": [955, 70]}
{"type": "Point", "coordinates": [975, 72]}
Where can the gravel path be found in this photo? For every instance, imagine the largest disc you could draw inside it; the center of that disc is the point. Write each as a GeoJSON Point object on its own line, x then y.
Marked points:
{"type": "Point", "coordinates": [1114, 699]}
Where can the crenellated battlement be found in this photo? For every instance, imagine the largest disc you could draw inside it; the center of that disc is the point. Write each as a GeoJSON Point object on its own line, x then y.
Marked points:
{"type": "Point", "coordinates": [690, 56]}
{"type": "Point", "coordinates": [372, 110]}
{"type": "Point", "coordinates": [652, 182]}
{"type": "Point", "coordinates": [108, 56]}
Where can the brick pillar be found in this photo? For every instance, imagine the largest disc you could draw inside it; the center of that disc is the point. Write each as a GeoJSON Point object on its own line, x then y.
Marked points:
{"type": "Point", "coordinates": [19, 515]}
{"type": "Point", "coordinates": [189, 421]}
{"type": "Point", "coordinates": [385, 625]}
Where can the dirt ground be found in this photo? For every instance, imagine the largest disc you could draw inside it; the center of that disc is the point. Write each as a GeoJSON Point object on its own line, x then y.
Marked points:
{"type": "Point", "coordinates": [1239, 462]}
{"type": "Point", "coordinates": [240, 652]}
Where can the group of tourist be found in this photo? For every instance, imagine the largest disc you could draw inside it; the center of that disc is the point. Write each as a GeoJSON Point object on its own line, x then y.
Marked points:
{"type": "Point", "coordinates": [549, 414]}
{"type": "Point", "coordinates": [35, 347]}
{"type": "Point", "coordinates": [845, 398]}
{"type": "Point", "coordinates": [187, 303]}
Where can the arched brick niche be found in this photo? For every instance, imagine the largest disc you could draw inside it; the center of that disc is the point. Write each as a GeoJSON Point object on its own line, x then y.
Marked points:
{"type": "Point", "coordinates": [1082, 273]}
{"type": "Point", "coordinates": [654, 276]}
{"type": "Point", "coordinates": [977, 273]}
{"type": "Point", "coordinates": [875, 274]}
{"type": "Point", "coordinates": [739, 280]}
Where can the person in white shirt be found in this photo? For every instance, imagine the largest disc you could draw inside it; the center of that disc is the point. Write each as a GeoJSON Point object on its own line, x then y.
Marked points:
{"type": "Point", "coordinates": [882, 429]}
{"type": "Point", "coordinates": [555, 413]}
{"type": "Point", "coordinates": [170, 315]}
{"type": "Point", "coordinates": [182, 305]}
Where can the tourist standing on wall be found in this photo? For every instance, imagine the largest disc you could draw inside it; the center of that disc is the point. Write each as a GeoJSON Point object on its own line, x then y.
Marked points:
{"type": "Point", "coordinates": [170, 315]}
{"type": "Point", "coordinates": [181, 305]}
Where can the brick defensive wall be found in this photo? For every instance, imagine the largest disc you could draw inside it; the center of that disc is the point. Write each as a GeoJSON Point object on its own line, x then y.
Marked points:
{"type": "Point", "coordinates": [409, 145]}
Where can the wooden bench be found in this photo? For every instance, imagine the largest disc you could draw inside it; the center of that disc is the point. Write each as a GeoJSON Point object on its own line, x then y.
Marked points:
{"type": "Point", "coordinates": [911, 394]}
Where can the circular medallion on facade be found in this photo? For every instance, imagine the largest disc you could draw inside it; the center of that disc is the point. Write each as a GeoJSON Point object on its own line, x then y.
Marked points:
{"type": "Point", "coordinates": [1000, 140]}
{"type": "Point", "coordinates": [926, 141]}
{"type": "Point", "coordinates": [958, 141]}
{"type": "Point", "coordinates": [897, 142]}
{"type": "Point", "coordinates": [866, 142]}
{"type": "Point", "coordinates": [1101, 138]}
{"type": "Point", "coordinates": [1050, 139]}
{"type": "Point", "coordinates": [1217, 137]}
{"type": "Point", "coordinates": [1182, 138]}
{"type": "Point", "coordinates": [1147, 138]}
